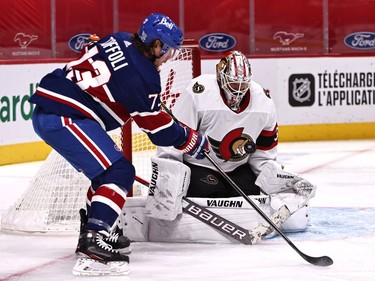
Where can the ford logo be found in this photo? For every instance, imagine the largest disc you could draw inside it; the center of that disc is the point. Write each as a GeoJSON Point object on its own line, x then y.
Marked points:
{"type": "Point", "coordinates": [217, 42]}
{"type": "Point", "coordinates": [360, 40]}
{"type": "Point", "coordinates": [77, 42]}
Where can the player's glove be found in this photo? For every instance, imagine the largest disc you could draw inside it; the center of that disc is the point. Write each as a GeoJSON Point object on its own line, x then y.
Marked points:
{"type": "Point", "coordinates": [195, 144]}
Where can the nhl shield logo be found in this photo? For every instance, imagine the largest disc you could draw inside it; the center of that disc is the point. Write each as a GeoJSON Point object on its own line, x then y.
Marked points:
{"type": "Point", "coordinates": [301, 90]}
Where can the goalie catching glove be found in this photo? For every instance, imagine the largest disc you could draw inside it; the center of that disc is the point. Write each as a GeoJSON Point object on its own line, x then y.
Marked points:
{"type": "Point", "coordinates": [195, 144]}
{"type": "Point", "coordinates": [276, 182]}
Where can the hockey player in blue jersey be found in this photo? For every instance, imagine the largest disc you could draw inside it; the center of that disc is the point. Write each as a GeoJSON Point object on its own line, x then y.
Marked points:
{"type": "Point", "coordinates": [114, 79]}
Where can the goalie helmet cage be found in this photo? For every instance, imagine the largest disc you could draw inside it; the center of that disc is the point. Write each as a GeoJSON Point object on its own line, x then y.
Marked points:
{"type": "Point", "coordinates": [50, 205]}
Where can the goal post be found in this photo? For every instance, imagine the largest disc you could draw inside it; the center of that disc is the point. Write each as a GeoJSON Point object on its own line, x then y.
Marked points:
{"type": "Point", "coordinates": [50, 205]}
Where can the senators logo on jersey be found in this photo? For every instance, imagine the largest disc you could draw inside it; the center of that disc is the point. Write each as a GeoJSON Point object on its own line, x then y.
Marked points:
{"type": "Point", "coordinates": [198, 88]}
{"type": "Point", "coordinates": [235, 146]}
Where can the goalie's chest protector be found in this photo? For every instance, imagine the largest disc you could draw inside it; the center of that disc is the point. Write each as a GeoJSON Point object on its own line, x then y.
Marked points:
{"type": "Point", "coordinates": [230, 133]}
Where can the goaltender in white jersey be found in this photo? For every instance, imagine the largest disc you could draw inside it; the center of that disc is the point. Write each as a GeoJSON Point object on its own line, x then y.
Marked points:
{"type": "Point", "coordinates": [232, 130]}
{"type": "Point", "coordinates": [238, 117]}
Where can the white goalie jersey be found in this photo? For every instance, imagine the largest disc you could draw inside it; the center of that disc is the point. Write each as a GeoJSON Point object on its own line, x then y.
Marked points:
{"type": "Point", "coordinates": [249, 135]}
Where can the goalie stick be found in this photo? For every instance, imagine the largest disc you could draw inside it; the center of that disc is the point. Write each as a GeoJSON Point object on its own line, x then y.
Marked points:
{"type": "Point", "coordinates": [219, 223]}
{"type": "Point", "coordinates": [319, 261]}
{"type": "Point", "coordinates": [212, 219]}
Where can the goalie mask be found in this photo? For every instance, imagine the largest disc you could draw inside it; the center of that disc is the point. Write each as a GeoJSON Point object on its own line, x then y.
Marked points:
{"type": "Point", "coordinates": [234, 76]}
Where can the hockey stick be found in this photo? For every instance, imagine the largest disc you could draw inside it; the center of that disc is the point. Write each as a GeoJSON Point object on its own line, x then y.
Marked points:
{"type": "Point", "coordinates": [320, 261]}
{"type": "Point", "coordinates": [219, 223]}
{"type": "Point", "coordinates": [208, 217]}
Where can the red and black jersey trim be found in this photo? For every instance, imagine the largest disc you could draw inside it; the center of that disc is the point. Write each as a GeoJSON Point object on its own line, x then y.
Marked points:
{"type": "Point", "coordinates": [268, 139]}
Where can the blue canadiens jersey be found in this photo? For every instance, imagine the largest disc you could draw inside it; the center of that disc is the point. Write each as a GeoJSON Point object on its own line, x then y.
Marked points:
{"type": "Point", "coordinates": [110, 82]}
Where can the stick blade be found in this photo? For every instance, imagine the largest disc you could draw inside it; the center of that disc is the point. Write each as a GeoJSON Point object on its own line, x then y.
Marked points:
{"type": "Point", "coordinates": [319, 261]}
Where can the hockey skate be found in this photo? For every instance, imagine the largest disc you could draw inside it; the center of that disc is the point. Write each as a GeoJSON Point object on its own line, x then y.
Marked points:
{"type": "Point", "coordinates": [116, 239]}
{"type": "Point", "coordinates": [96, 257]}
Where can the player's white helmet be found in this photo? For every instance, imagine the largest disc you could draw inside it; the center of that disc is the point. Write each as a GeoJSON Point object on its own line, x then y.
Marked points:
{"type": "Point", "coordinates": [234, 75]}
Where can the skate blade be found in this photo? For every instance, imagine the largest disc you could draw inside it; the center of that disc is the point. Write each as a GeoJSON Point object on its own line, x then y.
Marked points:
{"type": "Point", "coordinates": [125, 251]}
{"type": "Point", "coordinates": [90, 267]}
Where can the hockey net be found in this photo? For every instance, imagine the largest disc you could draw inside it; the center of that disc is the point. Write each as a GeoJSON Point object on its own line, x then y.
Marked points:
{"type": "Point", "coordinates": [50, 205]}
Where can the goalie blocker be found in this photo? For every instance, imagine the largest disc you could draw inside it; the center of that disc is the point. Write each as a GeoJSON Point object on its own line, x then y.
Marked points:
{"type": "Point", "coordinates": [159, 217]}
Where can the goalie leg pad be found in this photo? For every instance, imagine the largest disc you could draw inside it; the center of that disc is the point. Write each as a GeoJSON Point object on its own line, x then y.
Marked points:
{"type": "Point", "coordinates": [264, 229]}
{"type": "Point", "coordinates": [288, 211]}
{"type": "Point", "coordinates": [292, 201]}
{"type": "Point", "coordinates": [298, 219]}
{"type": "Point", "coordinates": [169, 183]}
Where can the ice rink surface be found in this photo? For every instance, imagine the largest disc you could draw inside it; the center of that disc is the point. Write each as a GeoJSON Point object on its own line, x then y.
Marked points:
{"type": "Point", "coordinates": [342, 227]}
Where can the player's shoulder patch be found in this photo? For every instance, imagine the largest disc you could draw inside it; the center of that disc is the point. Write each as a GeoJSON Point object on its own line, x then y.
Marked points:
{"type": "Point", "coordinates": [267, 93]}
{"type": "Point", "coordinates": [197, 88]}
